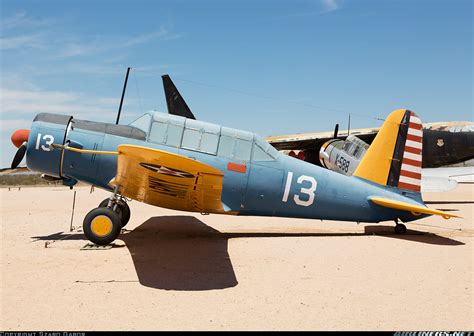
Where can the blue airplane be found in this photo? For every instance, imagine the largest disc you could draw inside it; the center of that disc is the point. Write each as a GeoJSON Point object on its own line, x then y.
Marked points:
{"type": "Point", "coordinates": [184, 164]}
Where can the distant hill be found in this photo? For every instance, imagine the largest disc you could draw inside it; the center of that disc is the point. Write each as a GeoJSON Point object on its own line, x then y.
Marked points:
{"type": "Point", "coordinates": [22, 176]}
{"type": "Point", "coordinates": [18, 170]}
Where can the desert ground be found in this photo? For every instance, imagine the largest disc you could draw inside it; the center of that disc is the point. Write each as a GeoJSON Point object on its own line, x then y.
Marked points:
{"type": "Point", "coordinates": [184, 271]}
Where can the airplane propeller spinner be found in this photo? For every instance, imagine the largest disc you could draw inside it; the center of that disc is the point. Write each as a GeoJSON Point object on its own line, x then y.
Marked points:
{"type": "Point", "coordinates": [19, 139]}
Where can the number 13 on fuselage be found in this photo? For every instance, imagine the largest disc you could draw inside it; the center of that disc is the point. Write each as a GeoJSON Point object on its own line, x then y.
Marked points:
{"type": "Point", "coordinates": [305, 193]}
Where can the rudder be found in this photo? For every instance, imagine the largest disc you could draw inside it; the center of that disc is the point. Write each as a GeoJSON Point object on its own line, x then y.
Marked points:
{"type": "Point", "coordinates": [394, 158]}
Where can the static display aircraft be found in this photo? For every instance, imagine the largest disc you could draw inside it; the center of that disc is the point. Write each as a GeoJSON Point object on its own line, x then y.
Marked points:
{"type": "Point", "coordinates": [185, 164]}
{"type": "Point", "coordinates": [344, 156]}
{"type": "Point", "coordinates": [444, 143]}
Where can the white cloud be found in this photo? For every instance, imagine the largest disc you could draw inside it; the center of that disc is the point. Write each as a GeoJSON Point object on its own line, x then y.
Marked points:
{"type": "Point", "coordinates": [20, 23]}
{"type": "Point", "coordinates": [330, 5]}
{"type": "Point", "coordinates": [13, 21]}
{"type": "Point", "coordinates": [22, 41]}
{"type": "Point", "coordinates": [103, 44]}
{"type": "Point", "coordinates": [14, 124]}
{"type": "Point", "coordinates": [77, 49]}
{"type": "Point", "coordinates": [140, 39]}
{"type": "Point", "coordinates": [61, 45]}
{"type": "Point", "coordinates": [21, 104]}
{"type": "Point", "coordinates": [325, 6]}
{"type": "Point", "coordinates": [22, 20]}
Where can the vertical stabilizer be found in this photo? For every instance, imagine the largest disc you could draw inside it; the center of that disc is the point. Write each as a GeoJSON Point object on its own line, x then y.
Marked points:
{"type": "Point", "coordinates": [174, 100]}
{"type": "Point", "coordinates": [394, 157]}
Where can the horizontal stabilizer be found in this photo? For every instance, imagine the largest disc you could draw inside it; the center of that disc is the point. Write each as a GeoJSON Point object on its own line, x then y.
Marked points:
{"type": "Point", "coordinates": [414, 209]}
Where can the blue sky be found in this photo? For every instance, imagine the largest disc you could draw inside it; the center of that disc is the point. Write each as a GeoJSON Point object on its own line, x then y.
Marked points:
{"type": "Point", "coordinates": [272, 67]}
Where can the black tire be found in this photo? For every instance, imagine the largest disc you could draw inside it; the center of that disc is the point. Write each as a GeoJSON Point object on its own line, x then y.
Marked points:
{"type": "Point", "coordinates": [400, 229]}
{"type": "Point", "coordinates": [104, 203]}
{"type": "Point", "coordinates": [123, 211]}
{"type": "Point", "coordinates": [102, 226]}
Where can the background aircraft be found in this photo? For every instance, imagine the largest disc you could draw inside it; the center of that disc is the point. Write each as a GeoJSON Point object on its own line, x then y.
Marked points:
{"type": "Point", "coordinates": [444, 143]}
{"type": "Point", "coordinates": [185, 164]}
{"type": "Point", "coordinates": [344, 156]}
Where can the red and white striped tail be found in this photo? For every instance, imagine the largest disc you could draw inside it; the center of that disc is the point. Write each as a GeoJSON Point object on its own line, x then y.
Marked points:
{"type": "Point", "coordinates": [410, 172]}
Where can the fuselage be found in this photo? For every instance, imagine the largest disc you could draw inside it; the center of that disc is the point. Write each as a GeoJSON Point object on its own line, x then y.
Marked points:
{"type": "Point", "coordinates": [258, 180]}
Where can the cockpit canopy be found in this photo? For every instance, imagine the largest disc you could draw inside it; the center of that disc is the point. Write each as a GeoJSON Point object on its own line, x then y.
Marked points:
{"type": "Point", "coordinates": [175, 131]}
{"type": "Point", "coordinates": [355, 147]}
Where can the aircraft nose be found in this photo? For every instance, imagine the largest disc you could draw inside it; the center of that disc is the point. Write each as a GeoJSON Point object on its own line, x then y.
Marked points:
{"type": "Point", "coordinates": [19, 137]}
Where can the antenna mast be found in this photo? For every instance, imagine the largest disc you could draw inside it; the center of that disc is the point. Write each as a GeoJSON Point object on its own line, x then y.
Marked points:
{"type": "Point", "coordinates": [123, 95]}
{"type": "Point", "coordinates": [349, 125]}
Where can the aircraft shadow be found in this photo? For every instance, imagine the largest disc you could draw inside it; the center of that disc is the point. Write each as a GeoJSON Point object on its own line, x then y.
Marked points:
{"type": "Point", "coordinates": [182, 253]}
{"type": "Point", "coordinates": [411, 235]}
{"type": "Point", "coordinates": [61, 236]}
{"type": "Point", "coordinates": [449, 202]}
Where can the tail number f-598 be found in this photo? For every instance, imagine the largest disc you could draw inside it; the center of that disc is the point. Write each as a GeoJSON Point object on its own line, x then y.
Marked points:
{"type": "Point", "coordinates": [307, 191]}
{"type": "Point", "coordinates": [342, 163]}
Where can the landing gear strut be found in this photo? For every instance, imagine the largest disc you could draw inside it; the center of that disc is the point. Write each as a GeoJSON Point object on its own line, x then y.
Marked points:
{"type": "Point", "coordinates": [102, 225]}
{"type": "Point", "coordinates": [119, 206]}
{"type": "Point", "coordinates": [400, 228]}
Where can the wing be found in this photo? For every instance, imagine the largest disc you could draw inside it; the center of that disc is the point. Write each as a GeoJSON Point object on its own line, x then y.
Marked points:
{"type": "Point", "coordinates": [459, 174]}
{"type": "Point", "coordinates": [445, 178]}
{"type": "Point", "coordinates": [316, 140]}
{"type": "Point", "coordinates": [437, 184]}
{"type": "Point", "coordinates": [415, 209]}
{"type": "Point", "coordinates": [168, 180]}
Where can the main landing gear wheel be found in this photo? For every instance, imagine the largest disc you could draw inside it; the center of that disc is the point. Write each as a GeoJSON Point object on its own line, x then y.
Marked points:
{"type": "Point", "coordinates": [102, 226]}
{"type": "Point", "coordinates": [122, 209]}
{"type": "Point", "coordinates": [400, 229]}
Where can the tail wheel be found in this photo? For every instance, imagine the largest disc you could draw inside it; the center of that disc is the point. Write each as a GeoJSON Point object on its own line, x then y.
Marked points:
{"type": "Point", "coordinates": [400, 229]}
{"type": "Point", "coordinates": [102, 226]}
{"type": "Point", "coordinates": [122, 210]}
